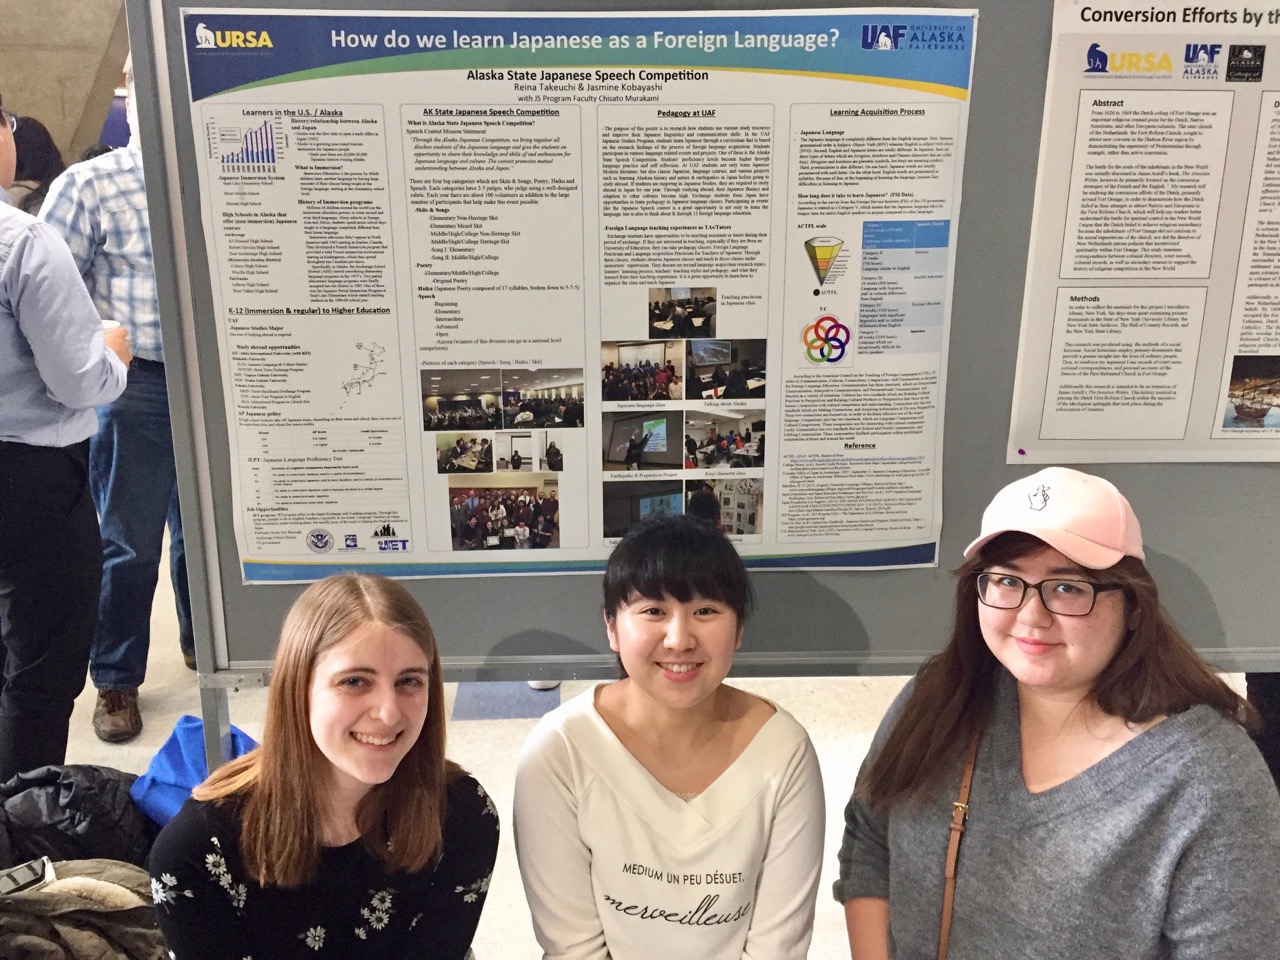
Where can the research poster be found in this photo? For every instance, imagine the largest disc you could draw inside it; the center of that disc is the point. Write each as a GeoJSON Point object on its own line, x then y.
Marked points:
{"type": "Point", "coordinates": [490, 289]}
{"type": "Point", "coordinates": [1151, 316]}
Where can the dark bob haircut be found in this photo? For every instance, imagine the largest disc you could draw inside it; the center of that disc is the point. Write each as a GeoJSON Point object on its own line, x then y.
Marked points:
{"type": "Point", "coordinates": [678, 557]}
{"type": "Point", "coordinates": [38, 156]}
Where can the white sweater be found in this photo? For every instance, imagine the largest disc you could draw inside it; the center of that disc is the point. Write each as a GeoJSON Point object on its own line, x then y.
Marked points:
{"type": "Point", "coordinates": [617, 867]}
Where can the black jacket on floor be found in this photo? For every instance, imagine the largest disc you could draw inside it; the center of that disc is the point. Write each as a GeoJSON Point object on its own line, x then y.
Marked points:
{"type": "Point", "coordinates": [73, 812]}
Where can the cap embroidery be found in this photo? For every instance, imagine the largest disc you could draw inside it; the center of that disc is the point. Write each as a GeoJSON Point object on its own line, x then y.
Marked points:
{"type": "Point", "coordinates": [1039, 498]}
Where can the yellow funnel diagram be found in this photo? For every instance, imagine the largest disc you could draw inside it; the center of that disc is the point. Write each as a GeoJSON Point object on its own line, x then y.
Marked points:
{"type": "Point", "coordinates": [822, 254]}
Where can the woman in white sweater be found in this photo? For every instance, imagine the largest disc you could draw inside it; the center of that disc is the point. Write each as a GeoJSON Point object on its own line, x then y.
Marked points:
{"type": "Point", "coordinates": [668, 813]}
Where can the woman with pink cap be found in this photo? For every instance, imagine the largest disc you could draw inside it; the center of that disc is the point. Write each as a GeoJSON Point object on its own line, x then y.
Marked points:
{"type": "Point", "coordinates": [1110, 801]}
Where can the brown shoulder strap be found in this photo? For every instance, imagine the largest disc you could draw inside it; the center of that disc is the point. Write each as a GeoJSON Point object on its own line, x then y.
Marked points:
{"type": "Point", "coordinates": [959, 811]}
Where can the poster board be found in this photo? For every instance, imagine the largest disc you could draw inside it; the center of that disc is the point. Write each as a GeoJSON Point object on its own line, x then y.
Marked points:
{"type": "Point", "coordinates": [1200, 520]}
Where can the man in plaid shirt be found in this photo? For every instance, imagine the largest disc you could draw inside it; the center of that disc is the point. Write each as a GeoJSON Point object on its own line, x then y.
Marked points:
{"type": "Point", "coordinates": [100, 208]}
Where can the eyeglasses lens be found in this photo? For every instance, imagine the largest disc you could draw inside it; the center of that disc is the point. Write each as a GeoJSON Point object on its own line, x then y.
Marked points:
{"type": "Point", "coordinates": [1072, 598]}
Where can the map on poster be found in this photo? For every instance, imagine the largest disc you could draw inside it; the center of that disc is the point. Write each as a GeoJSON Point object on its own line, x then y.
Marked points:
{"type": "Point", "coordinates": [477, 271]}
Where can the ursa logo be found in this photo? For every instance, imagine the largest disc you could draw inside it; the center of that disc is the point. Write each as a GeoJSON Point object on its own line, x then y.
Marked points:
{"type": "Point", "coordinates": [882, 36]}
{"type": "Point", "coordinates": [1200, 61]}
{"type": "Point", "coordinates": [1098, 60]}
{"type": "Point", "coordinates": [207, 39]}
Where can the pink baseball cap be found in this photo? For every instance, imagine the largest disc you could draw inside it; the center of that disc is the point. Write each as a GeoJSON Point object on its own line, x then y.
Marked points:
{"type": "Point", "coordinates": [1083, 517]}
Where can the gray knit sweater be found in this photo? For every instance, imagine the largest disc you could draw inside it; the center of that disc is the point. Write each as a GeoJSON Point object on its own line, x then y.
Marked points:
{"type": "Point", "coordinates": [1167, 848]}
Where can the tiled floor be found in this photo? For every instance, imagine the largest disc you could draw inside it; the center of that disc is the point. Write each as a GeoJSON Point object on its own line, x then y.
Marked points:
{"type": "Point", "coordinates": [841, 715]}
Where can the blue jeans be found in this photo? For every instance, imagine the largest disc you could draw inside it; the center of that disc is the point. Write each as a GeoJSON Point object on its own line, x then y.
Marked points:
{"type": "Point", "coordinates": [135, 487]}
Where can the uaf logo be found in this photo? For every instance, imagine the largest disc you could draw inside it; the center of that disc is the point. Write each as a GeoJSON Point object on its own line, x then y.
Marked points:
{"type": "Point", "coordinates": [882, 36]}
{"type": "Point", "coordinates": [1098, 60]}
{"type": "Point", "coordinates": [1201, 61]}
{"type": "Point", "coordinates": [207, 39]}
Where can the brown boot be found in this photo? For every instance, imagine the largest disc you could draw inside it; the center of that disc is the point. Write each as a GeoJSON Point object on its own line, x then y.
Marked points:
{"type": "Point", "coordinates": [116, 717]}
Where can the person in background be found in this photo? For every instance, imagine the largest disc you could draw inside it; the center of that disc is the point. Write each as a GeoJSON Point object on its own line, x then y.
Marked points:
{"type": "Point", "coordinates": [543, 532]}
{"type": "Point", "coordinates": [634, 457]}
{"type": "Point", "coordinates": [472, 534]}
{"type": "Point", "coordinates": [704, 505]}
{"type": "Point", "coordinates": [100, 209]}
{"type": "Point", "coordinates": [669, 795]}
{"type": "Point", "coordinates": [1117, 808]}
{"type": "Point", "coordinates": [555, 458]}
{"type": "Point", "coordinates": [94, 150]}
{"type": "Point", "coordinates": [56, 365]}
{"type": "Point", "coordinates": [39, 163]}
{"type": "Point", "coordinates": [347, 833]}
{"type": "Point", "coordinates": [1264, 693]}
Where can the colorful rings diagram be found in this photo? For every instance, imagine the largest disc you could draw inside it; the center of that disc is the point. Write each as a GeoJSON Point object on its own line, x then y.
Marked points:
{"type": "Point", "coordinates": [825, 339]}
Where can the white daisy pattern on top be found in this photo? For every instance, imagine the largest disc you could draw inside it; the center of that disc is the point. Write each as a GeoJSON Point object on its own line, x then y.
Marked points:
{"type": "Point", "coordinates": [165, 890]}
{"type": "Point", "coordinates": [216, 864]}
{"type": "Point", "coordinates": [471, 892]}
{"type": "Point", "coordinates": [378, 913]}
{"type": "Point", "coordinates": [489, 808]}
{"type": "Point", "coordinates": [314, 937]}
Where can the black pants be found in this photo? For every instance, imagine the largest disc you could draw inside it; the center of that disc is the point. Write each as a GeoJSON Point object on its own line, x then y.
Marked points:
{"type": "Point", "coordinates": [50, 575]}
{"type": "Point", "coordinates": [1264, 694]}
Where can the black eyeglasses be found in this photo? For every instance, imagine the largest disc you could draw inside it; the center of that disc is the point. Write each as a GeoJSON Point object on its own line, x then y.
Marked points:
{"type": "Point", "coordinates": [1070, 598]}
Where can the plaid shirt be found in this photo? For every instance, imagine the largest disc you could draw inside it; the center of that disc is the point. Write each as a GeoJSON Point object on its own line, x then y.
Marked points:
{"type": "Point", "coordinates": [100, 208]}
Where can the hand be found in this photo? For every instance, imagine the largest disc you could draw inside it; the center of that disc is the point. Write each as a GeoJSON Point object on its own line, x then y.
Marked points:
{"type": "Point", "coordinates": [117, 340]}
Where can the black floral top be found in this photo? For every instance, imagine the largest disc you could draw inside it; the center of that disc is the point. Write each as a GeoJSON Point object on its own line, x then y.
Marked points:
{"type": "Point", "coordinates": [209, 908]}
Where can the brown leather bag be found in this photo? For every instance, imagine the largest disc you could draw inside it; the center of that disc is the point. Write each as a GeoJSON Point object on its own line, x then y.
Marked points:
{"type": "Point", "coordinates": [959, 811]}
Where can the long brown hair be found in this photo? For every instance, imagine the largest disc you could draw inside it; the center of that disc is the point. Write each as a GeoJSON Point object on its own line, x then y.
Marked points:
{"type": "Point", "coordinates": [1155, 672]}
{"type": "Point", "coordinates": [279, 786]}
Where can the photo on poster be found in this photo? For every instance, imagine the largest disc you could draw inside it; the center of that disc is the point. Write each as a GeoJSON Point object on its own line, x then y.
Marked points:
{"type": "Point", "coordinates": [505, 512]}
{"type": "Point", "coordinates": [1253, 397]}
{"type": "Point", "coordinates": [726, 369]}
{"type": "Point", "coordinates": [626, 504]}
{"type": "Point", "coordinates": [642, 440]}
{"type": "Point", "coordinates": [541, 398]}
{"type": "Point", "coordinates": [724, 438]}
{"type": "Point", "coordinates": [734, 504]}
{"type": "Point", "coordinates": [680, 313]}
{"type": "Point", "coordinates": [528, 451]}
{"type": "Point", "coordinates": [460, 398]}
{"type": "Point", "coordinates": [464, 452]}
{"type": "Point", "coordinates": [642, 370]}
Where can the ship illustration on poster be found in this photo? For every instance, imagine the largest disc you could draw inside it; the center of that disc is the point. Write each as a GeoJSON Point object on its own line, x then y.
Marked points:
{"type": "Point", "coordinates": [822, 253]}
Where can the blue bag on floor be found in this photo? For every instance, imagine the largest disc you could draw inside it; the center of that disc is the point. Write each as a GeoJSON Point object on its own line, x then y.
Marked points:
{"type": "Point", "coordinates": [179, 767]}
